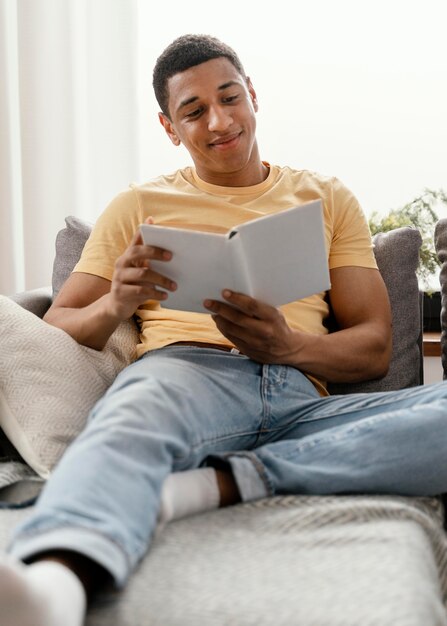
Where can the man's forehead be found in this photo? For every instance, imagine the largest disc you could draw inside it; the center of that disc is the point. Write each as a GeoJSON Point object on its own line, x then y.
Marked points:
{"type": "Point", "coordinates": [200, 80]}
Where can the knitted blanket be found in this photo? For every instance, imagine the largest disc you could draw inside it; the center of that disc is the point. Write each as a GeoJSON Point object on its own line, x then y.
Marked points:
{"type": "Point", "coordinates": [285, 561]}
{"type": "Point", "coordinates": [298, 560]}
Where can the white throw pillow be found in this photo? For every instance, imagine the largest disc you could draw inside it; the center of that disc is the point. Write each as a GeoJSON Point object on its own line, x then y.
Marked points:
{"type": "Point", "coordinates": [49, 383]}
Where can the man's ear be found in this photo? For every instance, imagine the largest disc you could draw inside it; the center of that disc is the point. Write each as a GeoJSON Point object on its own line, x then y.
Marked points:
{"type": "Point", "coordinates": [253, 95]}
{"type": "Point", "coordinates": [169, 128]}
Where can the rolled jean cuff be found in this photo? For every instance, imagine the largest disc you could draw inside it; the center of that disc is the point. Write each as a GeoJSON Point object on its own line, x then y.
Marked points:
{"type": "Point", "coordinates": [250, 476]}
{"type": "Point", "coordinates": [90, 544]}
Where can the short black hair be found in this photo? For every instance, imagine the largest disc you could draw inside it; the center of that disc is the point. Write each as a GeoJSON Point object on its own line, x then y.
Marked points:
{"type": "Point", "coordinates": [185, 52]}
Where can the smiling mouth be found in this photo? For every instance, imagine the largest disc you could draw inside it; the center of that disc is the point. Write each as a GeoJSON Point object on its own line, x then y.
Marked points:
{"type": "Point", "coordinates": [225, 142]}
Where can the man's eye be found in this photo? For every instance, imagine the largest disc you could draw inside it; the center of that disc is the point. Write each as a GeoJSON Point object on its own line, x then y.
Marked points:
{"type": "Point", "coordinates": [194, 113]}
{"type": "Point", "coordinates": [229, 99]}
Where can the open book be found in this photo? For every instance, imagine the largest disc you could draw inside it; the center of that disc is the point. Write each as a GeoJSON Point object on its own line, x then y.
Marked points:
{"type": "Point", "coordinates": [276, 258]}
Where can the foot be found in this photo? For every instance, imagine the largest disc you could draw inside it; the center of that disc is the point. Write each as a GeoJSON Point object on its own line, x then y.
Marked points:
{"type": "Point", "coordinates": [188, 493]}
{"type": "Point", "coordinates": [41, 594]}
{"type": "Point", "coordinates": [20, 605]}
{"type": "Point", "coordinates": [196, 491]}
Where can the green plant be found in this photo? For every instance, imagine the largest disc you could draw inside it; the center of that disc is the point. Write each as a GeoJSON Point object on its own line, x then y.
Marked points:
{"type": "Point", "coordinates": [420, 213]}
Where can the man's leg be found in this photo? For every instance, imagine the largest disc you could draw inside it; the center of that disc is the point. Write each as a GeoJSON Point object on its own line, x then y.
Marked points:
{"type": "Point", "coordinates": [166, 412]}
{"type": "Point", "coordinates": [394, 443]}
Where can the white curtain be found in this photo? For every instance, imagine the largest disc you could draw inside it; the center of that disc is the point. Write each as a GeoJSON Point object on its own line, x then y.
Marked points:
{"type": "Point", "coordinates": [68, 123]}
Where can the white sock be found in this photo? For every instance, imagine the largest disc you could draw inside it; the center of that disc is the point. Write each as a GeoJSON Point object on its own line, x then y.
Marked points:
{"type": "Point", "coordinates": [44, 593]}
{"type": "Point", "coordinates": [188, 493]}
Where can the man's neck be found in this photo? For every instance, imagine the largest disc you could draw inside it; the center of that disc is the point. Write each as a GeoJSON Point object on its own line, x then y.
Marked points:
{"type": "Point", "coordinates": [245, 178]}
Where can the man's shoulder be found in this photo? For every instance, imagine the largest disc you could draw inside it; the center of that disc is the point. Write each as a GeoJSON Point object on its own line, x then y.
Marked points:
{"type": "Point", "coordinates": [309, 178]}
{"type": "Point", "coordinates": [176, 180]}
{"type": "Point", "coordinates": [137, 192]}
{"type": "Point", "coordinates": [306, 174]}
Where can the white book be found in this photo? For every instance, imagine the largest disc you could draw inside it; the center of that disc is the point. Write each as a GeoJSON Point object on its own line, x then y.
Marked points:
{"type": "Point", "coordinates": [276, 258]}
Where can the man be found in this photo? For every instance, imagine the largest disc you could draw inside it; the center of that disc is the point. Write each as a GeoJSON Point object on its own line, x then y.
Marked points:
{"type": "Point", "coordinates": [223, 407]}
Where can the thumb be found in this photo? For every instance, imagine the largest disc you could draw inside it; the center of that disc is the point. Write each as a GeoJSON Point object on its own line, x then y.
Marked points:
{"type": "Point", "coordinates": [137, 239]}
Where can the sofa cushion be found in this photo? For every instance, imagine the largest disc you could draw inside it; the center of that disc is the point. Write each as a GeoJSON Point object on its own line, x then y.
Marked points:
{"type": "Point", "coordinates": [49, 383]}
{"type": "Point", "coordinates": [70, 242]}
{"type": "Point", "coordinates": [397, 256]}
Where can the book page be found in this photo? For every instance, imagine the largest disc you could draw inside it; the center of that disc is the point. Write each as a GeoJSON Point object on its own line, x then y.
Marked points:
{"type": "Point", "coordinates": [286, 254]}
{"type": "Point", "coordinates": [200, 265]}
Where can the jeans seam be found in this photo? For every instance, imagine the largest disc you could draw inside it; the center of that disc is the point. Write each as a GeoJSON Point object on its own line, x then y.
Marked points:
{"type": "Point", "coordinates": [326, 437]}
{"type": "Point", "coordinates": [387, 401]}
{"type": "Point", "coordinates": [194, 448]}
{"type": "Point", "coordinates": [266, 412]}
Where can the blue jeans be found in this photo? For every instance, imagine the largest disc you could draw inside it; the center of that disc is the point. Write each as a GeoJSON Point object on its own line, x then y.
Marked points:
{"type": "Point", "coordinates": [181, 407]}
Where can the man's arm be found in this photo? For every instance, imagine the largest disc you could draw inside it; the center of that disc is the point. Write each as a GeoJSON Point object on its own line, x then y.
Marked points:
{"type": "Point", "coordinates": [360, 350]}
{"type": "Point", "coordinates": [89, 308]}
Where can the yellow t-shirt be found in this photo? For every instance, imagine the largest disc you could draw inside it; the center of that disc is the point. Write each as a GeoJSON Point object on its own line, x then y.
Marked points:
{"type": "Point", "coordinates": [183, 200]}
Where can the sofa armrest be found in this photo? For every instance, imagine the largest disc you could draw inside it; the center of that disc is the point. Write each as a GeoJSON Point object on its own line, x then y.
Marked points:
{"type": "Point", "coordinates": [441, 251]}
{"type": "Point", "coordinates": [35, 300]}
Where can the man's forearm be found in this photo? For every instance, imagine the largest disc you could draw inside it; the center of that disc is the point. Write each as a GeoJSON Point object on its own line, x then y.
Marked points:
{"type": "Point", "coordinates": [350, 355]}
{"type": "Point", "coordinates": [90, 326]}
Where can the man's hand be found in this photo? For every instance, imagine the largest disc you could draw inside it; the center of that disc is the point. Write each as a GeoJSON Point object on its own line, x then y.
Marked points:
{"type": "Point", "coordinates": [134, 281]}
{"type": "Point", "coordinates": [89, 308]}
{"type": "Point", "coordinates": [258, 330]}
{"type": "Point", "coordinates": [359, 350]}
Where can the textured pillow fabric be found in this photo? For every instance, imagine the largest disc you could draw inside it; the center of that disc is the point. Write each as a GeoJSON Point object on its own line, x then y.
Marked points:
{"type": "Point", "coordinates": [49, 383]}
{"type": "Point", "coordinates": [397, 256]}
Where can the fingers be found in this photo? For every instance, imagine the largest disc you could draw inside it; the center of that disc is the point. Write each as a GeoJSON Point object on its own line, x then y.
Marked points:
{"type": "Point", "coordinates": [139, 255]}
{"type": "Point", "coordinates": [134, 280]}
{"type": "Point", "coordinates": [258, 330]}
{"type": "Point", "coordinates": [134, 266]}
{"type": "Point", "coordinates": [245, 322]}
{"type": "Point", "coordinates": [240, 307]}
{"type": "Point", "coordinates": [131, 286]}
{"type": "Point", "coordinates": [137, 293]}
{"type": "Point", "coordinates": [144, 276]}
{"type": "Point", "coordinates": [137, 238]}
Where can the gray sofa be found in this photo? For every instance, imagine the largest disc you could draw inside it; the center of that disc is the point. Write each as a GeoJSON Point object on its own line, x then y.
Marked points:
{"type": "Point", "coordinates": [304, 560]}
{"type": "Point", "coordinates": [441, 250]}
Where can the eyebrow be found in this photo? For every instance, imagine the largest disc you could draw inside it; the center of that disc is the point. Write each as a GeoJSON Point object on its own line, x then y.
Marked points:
{"type": "Point", "coordinates": [185, 103]}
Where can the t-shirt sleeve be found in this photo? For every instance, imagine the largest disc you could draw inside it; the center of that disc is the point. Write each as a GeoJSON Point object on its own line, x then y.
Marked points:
{"type": "Point", "coordinates": [351, 243]}
{"type": "Point", "coordinates": [111, 236]}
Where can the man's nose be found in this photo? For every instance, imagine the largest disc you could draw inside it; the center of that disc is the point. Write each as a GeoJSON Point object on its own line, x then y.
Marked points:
{"type": "Point", "coordinates": [219, 119]}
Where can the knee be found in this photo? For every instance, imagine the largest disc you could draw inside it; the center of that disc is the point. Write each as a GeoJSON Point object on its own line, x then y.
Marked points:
{"type": "Point", "coordinates": [127, 415]}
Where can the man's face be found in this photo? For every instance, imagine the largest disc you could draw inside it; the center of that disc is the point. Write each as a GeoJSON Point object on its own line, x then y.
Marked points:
{"type": "Point", "coordinates": [212, 113]}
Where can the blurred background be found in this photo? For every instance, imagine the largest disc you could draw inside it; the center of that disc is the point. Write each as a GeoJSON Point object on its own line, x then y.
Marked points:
{"type": "Point", "coordinates": [352, 89]}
